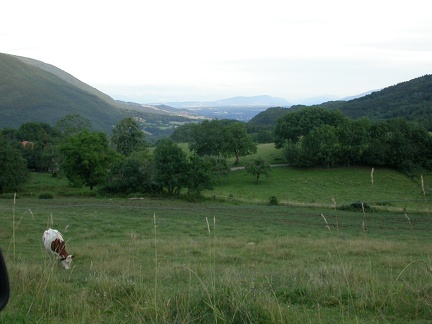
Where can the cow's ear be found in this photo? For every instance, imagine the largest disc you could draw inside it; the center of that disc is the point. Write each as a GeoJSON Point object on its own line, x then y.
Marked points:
{"type": "Point", "coordinates": [73, 256]}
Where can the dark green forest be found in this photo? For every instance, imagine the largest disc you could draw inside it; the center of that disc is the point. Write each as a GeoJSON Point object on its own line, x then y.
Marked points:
{"type": "Point", "coordinates": [315, 136]}
{"type": "Point", "coordinates": [411, 100]}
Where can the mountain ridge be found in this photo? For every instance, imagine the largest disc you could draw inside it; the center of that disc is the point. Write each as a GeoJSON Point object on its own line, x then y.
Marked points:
{"type": "Point", "coordinates": [33, 91]}
{"type": "Point", "coordinates": [238, 101]}
{"type": "Point", "coordinates": [410, 99]}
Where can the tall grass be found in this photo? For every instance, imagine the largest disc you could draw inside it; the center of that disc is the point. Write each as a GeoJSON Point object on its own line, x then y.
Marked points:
{"type": "Point", "coordinates": [156, 269]}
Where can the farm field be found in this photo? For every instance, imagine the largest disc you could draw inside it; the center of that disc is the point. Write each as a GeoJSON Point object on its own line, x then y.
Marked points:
{"type": "Point", "coordinates": [223, 260]}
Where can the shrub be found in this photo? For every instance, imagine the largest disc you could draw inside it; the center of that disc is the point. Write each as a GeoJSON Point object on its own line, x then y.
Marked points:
{"type": "Point", "coordinates": [273, 201]}
{"type": "Point", "coordinates": [46, 195]}
{"type": "Point", "coordinates": [356, 206]}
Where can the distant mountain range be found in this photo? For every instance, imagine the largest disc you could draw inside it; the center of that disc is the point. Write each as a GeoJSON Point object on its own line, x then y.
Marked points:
{"type": "Point", "coordinates": [255, 101]}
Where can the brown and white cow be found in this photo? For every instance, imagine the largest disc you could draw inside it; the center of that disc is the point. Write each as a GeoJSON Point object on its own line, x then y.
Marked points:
{"type": "Point", "coordinates": [55, 244]}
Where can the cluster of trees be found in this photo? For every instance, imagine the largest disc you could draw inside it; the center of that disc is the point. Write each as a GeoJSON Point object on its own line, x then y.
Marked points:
{"type": "Point", "coordinates": [226, 138]}
{"type": "Point", "coordinates": [170, 170]}
{"type": "Point", "coordinates": [123, 164]}
{"type": "Point", "coordinates": [317, 136]}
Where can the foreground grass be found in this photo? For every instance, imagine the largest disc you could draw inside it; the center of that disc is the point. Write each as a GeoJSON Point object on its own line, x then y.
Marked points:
{"type": "Point", "coordinates": [159, 261]}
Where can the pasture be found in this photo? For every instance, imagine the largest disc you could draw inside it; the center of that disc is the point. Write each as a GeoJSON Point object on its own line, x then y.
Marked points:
{"type": "Point", "coordinates": [229, 259]}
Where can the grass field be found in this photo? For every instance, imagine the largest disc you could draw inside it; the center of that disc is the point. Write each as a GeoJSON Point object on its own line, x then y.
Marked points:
{"type": "Point", "coordinates": [228, 259]}
{"type": "Point", "coordinates": [322, 186]}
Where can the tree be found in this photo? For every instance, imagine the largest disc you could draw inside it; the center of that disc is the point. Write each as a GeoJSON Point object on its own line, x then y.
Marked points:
{"type": "Point", "coordinates": [264, 136]}
{"type": "Point", "coordinates": [354, 139]}
{"type": "Point", "coordinates": [9, 134]}
{"type": "Point", "coordinates": [170, 166]}
{"type": "Point", "coordinates": [209, 138]}
{"type": "Point", "coordinates": [87, 158]}
{"type": "Point", "coordinates": [183, 133]}
{"type": "Point", "coordinates": [131, 175]}
{"type": "Point", "coordinates": [13, 168]}
{"type": "Point", "coordinates": [219, 165]}
{"type": "Point", "coordinates": [258, 167]}
{"type": "Point", "coordinates": [293, 125]}
{"type": "Point", "coordinates": [222, 138]}
{"type": "Point", "coordinates": [73, 124]}
{"type": "Point", "coordinates": [293, 153]}
{"type": "Point", "coordinates": [199, 175]}
{"type": "Point", "coordinates": [238, 141]}
{"type": "Point", "coordinates": [128, 137]}
{"type": "Point", "coordinates": [399, 144]}
{"type": "Point", "coordinates": [38, 145]}
{"type": "Point", "coordinates": [321, 146]}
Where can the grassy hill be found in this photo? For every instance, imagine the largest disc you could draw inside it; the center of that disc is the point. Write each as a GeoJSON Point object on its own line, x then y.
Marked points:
{"type": "Point", "coordinates": [68, 78]}
{"type": "Point", "coordinates": [29, 93]}
{"type": "Point", "coordinates": [411, 100]}
{"type": "Point", "coordinates": [33, 91]}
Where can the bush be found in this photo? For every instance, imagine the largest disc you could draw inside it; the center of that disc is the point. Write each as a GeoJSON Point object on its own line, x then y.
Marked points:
{"type": "Point", "coordinates": [273, 201]}
{"type": "Point", "coordinates": [356, 206]}
{"type": "Point", "coordinates": [46, 195]}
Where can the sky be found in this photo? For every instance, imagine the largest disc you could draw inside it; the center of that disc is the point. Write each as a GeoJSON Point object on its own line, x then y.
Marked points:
{"type": "Point", "coordinates": [202, 50]}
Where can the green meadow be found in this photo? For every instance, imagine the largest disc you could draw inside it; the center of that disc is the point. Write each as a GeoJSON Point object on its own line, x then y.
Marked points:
{"type": "Point", "coordinates": [231, 258]}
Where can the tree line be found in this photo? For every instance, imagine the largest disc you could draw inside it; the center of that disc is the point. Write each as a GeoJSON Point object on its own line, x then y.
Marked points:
{"type": "Point", "coordinates": [320, 137]}
{"type": "Point", "coordinates": [125, 163]}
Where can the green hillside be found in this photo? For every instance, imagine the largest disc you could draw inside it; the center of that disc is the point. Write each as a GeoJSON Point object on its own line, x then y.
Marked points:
{"type": "Point", "coordinates": [411, 100]}
{"type": "Point", "coordinates": [68, 78]}
{"type": "Point", "coordinates": [29, 93]}
{"type": "Point", "coordinates": [269, 116]}
{"type": "Point", "coordinates": [33, 91]}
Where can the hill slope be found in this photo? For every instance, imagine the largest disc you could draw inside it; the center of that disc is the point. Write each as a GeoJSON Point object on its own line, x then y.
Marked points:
{"type": "Point", "coordinates": [33, 91]}
{"type": "Point", "coordinates": [68, 78]}
{"type": "Point", "coordinates": [411, 100]}
{"type": "Point", "coordinates": [30, 93]}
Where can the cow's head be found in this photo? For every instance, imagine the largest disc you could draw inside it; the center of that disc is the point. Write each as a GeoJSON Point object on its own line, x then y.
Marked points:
{"type": "Point", "coordinates": [66, 262]}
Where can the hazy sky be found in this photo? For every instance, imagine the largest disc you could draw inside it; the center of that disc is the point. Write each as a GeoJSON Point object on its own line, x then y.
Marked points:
{"type": "Point", "coordinates": [168, 50]}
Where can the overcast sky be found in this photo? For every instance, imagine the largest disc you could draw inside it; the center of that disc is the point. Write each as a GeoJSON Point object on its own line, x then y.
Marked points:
{"type": "Point", "coordinates": [178, 50]}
